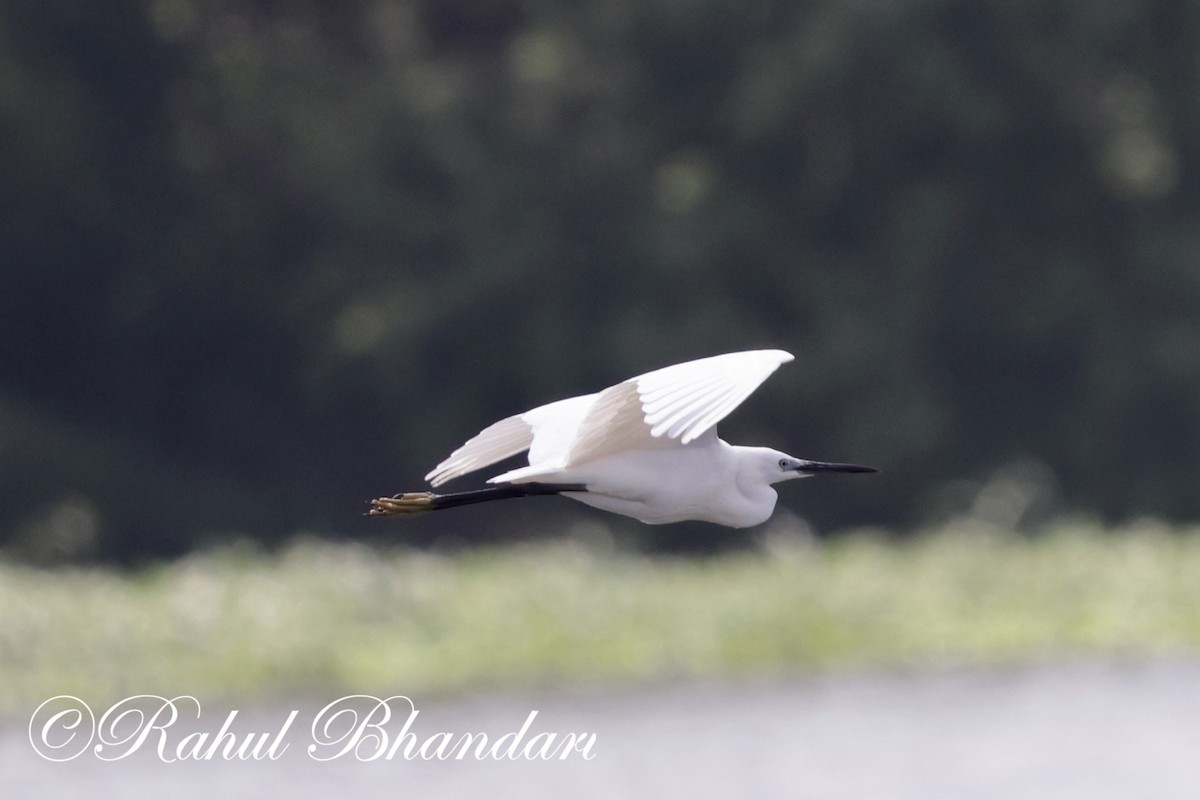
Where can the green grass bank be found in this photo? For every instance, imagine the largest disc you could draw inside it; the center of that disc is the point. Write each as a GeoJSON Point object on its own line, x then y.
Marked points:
{"type": "Point", "coordinates": [324, 619]}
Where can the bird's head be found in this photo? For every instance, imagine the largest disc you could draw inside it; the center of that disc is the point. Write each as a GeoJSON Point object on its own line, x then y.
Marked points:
{"type": "Point", "coordinates": [775, 466]}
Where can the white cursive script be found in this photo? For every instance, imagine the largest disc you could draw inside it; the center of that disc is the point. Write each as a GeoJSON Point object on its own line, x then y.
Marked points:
{"type": "Point", "coordinates": [359, 727]}
{"type": "Point", "coordinates": [63, 727]}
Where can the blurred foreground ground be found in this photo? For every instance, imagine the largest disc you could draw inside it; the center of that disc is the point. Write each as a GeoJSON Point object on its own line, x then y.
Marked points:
{"type": "Point", "coordinates": [1083, 730]}
{"type": "Point", "coordinates": [964, 662]}
{"type": "Point", "coordinates": [321, 618]}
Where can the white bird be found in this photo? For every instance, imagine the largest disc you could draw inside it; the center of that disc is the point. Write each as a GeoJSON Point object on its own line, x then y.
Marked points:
{"type": "Point", "coordinates": [646, 448]}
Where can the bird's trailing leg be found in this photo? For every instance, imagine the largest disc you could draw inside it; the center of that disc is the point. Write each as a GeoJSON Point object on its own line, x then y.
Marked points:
{"type": "Point", "coordinates": [411, 503]}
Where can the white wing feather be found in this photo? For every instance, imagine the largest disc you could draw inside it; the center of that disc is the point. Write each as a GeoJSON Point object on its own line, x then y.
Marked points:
{"type": "Point", "coordinates": [494, 443]}
{"type": "Point", "coordinates": [668, 407]}
{"type": "Point", "coordinates": [543, 431]}
{"type": "Point", "coordinates": [671, 406]}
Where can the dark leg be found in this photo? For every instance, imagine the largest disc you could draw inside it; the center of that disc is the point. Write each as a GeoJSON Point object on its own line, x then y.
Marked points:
{"type": "Point", "coordinates": [411, 503]}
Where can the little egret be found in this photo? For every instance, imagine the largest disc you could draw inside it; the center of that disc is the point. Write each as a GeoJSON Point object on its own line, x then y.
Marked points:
{"type": "Point", "coordinates": [646, 448]}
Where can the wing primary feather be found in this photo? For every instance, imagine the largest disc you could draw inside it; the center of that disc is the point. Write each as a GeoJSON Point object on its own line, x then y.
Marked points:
{"type": "Point", "coordinates": [656, 402]}
{"type": "Point", "coordinates": [498, 441]}
{"type": "Point", "coordinates": [664, 419]}
{"type": "Point", "coordinates": [665, 392]}
{"type": "Point", "coordinates": [684, 427]}
{"type": "Point", "coordinates": [680, 415]}
{"type": "Point", "coordinates": [717, 414]}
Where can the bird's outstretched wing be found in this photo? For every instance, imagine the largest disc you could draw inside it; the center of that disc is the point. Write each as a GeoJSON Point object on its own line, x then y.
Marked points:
{"type": "Point", "coordinates": [494, 443]}
{"type": "Point", "coordinates": [544, 431]}
{"type": "Point", "coordinates": [667, 407]}
{"type": "Point", "coordinates": [670, 406]}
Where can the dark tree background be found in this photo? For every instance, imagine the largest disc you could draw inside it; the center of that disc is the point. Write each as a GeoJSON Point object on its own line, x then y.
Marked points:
{"type": "Point", "coordinates": [264, 260]}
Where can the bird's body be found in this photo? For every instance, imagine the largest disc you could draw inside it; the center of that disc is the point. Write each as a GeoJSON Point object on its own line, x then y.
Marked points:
{"type": "Point", "coordinates": [646, 448]}
{"type": "Point", "coordinates": [704, 485]}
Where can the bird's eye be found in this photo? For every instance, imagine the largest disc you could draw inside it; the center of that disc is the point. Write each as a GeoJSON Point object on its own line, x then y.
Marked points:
{"type": "Point", "coordinates": [783, 463]}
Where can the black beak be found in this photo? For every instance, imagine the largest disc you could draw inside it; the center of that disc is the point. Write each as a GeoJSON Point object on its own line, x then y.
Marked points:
{"type": "Point", "coordinates": [813, 467]}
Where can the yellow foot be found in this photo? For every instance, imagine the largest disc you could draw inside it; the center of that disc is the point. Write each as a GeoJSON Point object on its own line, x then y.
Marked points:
{"type": "Point", "coordinates": [408, 504]}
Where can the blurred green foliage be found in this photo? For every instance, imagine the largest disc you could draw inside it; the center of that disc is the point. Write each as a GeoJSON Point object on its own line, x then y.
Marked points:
{"type": "Point", "coordinates": [262, 260]}
{"type": "Point", "coordinates": [318, 618]}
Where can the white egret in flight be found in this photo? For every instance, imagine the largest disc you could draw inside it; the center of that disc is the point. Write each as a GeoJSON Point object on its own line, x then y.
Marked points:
{"type": "Point", "coordinates": [646, 448]}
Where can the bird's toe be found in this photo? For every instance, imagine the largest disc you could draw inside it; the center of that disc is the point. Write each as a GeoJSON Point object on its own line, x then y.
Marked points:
{"type": "Point", "coordinates": [402, 504]}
